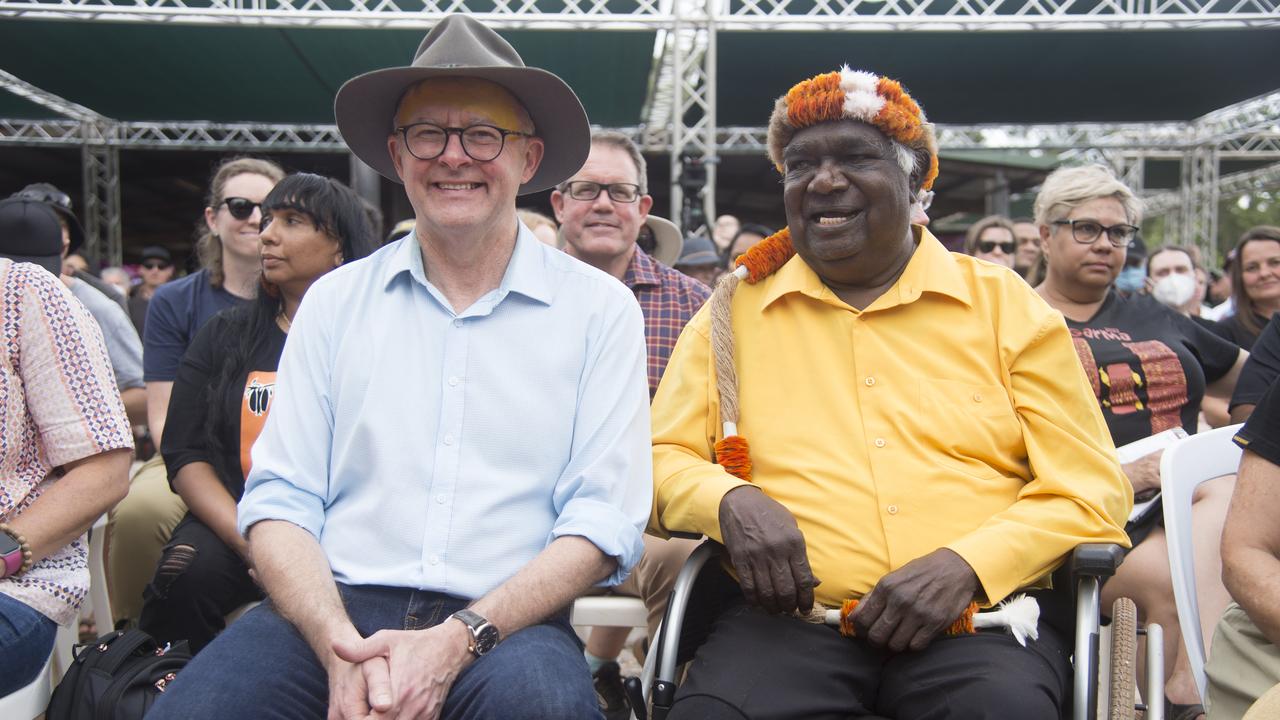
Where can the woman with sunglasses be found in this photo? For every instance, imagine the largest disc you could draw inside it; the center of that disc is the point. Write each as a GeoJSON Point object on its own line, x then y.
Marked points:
{"type": "Point", "coordinates": [992, 239]}
{"type": "Point", "coordinates": [227, 244]}
{"type": "Point", "coordinates": [1149, 367]}
{"type": "Point", "coordinates": [221, 398]}
{"type": "Point", "coordinates": [1255, 285]}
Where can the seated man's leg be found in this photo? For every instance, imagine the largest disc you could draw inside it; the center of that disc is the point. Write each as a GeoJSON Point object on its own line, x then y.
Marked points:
{"type": "Point", "coordinates": [26, 639]}
{"type": "Point", "coordinates": [140, 526]}
{"type": "Point", "coordinates": [537, 673]}
{"type": "Point", "coordinates": [655, 574]}
{"type": "Point", "coordinates": [1242, 665]}
{"type": "Point", "coordinates": [987, 675]}
{"type": "Point", "coordinates": [198, 582]}
{"type": "Point", "coordinates": [260, 667]}
{"type": "Point", "coordinates": [760, 666]}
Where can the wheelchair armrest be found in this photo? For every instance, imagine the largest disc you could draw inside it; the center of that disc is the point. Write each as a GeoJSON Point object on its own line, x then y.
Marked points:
{"type": "Point", "coordinates": [1096, 560]}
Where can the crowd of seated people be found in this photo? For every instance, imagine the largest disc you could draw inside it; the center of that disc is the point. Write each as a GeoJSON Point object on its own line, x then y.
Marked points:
{"type": "Point", "coordinates": [420, 451]}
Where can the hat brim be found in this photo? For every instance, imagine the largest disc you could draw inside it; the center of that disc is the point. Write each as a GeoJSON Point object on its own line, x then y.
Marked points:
{"type": "Point", "coordinates": [365, 109]}
{"type": "Point", "coordinates": [52, 263]}
{"type": "Point", "coordinates": [668, 243]}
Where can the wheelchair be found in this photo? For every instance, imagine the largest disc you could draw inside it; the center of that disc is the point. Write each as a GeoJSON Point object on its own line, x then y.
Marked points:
{"type": "Point", "coordinates": [1104, 682]}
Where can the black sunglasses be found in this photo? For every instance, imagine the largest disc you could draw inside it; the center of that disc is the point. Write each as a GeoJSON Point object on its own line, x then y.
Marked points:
{"type": "Point", "coordinates": [240, 208]}
{"type": "Point", "coordinates": [155, 265]}
{"type": "Point", "coordinates": [987, 246]}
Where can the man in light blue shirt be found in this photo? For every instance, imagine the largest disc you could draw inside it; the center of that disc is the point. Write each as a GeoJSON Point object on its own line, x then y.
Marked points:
{"type": "Point", "coordinates": [459, 441]}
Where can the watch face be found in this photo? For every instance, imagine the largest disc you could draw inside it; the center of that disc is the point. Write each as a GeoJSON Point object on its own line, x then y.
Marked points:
{"type": "Point", "coordinates": [487, 639]}
{"type": "Point", "coordinates": [8, 544]}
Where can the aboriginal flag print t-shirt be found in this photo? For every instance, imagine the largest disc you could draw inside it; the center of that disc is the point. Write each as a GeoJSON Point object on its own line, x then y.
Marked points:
{"type": "Point", "coordinates": [1148, 365]}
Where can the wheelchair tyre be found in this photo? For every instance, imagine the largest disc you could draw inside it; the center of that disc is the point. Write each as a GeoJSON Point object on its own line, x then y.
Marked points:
{"type": "Point", "coordinates": [1124, 655]}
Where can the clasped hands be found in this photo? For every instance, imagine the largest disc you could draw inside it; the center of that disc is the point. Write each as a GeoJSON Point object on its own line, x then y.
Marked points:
{"type": "Point", "coordinates": [401, 674]}
{"type": "Point", "coordinates": [906, 610]}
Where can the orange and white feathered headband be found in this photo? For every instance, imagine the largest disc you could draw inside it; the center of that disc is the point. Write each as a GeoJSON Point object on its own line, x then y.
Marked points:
{"type": "Point", "coordinates": [855, 95]}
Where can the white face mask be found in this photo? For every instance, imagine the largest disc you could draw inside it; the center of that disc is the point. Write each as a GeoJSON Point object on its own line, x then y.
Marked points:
{"type": "Point", "coordinates": [1174, 289]}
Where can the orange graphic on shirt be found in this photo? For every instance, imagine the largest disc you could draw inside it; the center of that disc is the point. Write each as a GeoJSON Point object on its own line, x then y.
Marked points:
{"type": "Point", "coordinates": [1158, 384]}
{"type": "Point", "coordinates": [259, 387]}
{"type": "Point", "coordinates": [1166, 383]}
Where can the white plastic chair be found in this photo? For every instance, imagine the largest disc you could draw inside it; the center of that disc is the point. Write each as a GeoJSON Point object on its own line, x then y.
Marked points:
{"type": "Point", "coordinates": [1183, 467]}
{"type": "Point", "coordinates": [68, 635]}
{"type": "Point", "coordinates": [615, 611]}
{"type": "Point", "coordinates": [30, 701]}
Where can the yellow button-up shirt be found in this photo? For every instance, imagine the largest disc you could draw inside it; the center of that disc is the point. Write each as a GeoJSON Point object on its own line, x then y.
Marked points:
{"type": "Point", "coordinates": [951, 412]}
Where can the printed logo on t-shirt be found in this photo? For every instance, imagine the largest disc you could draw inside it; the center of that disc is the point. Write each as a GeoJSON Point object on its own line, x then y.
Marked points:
{"type": "Point", "coordinates": [259, 387]}
{"type": "Point", "coordinates": [1150, 380]}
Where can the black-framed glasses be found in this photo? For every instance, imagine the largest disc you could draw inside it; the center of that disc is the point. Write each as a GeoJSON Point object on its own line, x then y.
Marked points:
{"type": "Point", "coordinates": [1087, 231]}
{"type": "Point", "coordinates": [155, 265]}
{"type": "Point", "coordinates": [482, 143]}
{"type": "Point", "coordinates": [586, 191]}
{"type": "Point", "coordinates": [989, 246]}
{"type": "Point", "coordinates": [241, 208]}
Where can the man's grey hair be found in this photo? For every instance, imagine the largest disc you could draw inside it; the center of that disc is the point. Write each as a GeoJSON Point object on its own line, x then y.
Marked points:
{"type": "Point", "coordinates": [621, 141]}
{"type": "Point", "coordinates": [1070, 187]}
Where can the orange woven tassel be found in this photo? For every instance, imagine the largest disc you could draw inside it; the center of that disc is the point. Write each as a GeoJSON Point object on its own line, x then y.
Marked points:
{"type": "Point", "coordinates": [962, 626]}
{"type": "Point", "coordinates": [734, 455]}
{"type": "Point", "coordinates": [765, 257]}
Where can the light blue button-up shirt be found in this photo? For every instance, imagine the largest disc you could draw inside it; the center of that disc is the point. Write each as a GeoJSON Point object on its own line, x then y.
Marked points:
{"type": "Point", "coordinates": [442, 451]}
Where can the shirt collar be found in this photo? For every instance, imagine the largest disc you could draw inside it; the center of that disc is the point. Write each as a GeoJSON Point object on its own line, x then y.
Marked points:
{"type": "Point", "coordinates": [642, 271]}
{"type": "Point", "coordinates": [930, 269]}
{"type": "Point", "coordinates": [526, 274]}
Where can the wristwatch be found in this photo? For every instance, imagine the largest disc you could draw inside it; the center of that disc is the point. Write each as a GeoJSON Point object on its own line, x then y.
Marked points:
{"type": "Point", "coordinates": [484, 634]}
{"type": "Point", "coordinates": [10, 555]}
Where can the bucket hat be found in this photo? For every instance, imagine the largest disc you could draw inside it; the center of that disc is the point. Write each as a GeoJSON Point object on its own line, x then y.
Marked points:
{"type": "Point", "coordinates": [29, 232]}
{"type": "Point", "coordinates": [460, 46]}
{"type": "Point", "coordinates": [61, 203]}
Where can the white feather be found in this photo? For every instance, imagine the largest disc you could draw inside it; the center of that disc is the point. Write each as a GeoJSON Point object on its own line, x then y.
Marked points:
{"type": "Point", "coordinates": [1020, 614]}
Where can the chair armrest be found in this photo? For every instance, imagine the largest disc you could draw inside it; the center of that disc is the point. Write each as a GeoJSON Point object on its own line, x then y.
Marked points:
{"type": "Point", "coordinates": [1096, 559]}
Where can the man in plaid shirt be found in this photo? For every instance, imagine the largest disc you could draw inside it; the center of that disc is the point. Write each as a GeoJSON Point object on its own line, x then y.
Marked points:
{"type": "Point", "coordinates": [600, 210]}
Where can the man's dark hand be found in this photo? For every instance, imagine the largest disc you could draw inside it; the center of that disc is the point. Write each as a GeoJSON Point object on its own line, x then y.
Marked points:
{"type": "Point", "coordinates": [767, 551]}
{"type": "Point", "coordinates": [911, 605]}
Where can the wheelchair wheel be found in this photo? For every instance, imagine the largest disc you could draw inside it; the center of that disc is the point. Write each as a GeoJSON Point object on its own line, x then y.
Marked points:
{"type": "Point", "coordinates": [1124, 654]}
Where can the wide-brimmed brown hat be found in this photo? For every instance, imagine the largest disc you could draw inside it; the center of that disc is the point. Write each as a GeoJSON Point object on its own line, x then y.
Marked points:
{"type": "Point", "coordinates": [460, 46]}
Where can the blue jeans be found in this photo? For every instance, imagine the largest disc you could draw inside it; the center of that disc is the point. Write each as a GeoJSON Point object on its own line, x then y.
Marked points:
{"type": "Point", "coordinates": [26, 639]}
{"type": "Point", "coordinates": [260, 666]}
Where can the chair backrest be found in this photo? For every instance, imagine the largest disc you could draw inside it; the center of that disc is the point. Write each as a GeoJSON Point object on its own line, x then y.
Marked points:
{"type": "Point", "coordinates": [31, 700]}
{"type": "Point", "coordinates": [1183, 467]}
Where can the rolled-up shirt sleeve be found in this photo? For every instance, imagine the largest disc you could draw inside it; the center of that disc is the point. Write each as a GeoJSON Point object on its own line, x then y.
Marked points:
{"type": "Point", "coordinates": [289, 479]}
{"type": "Point", "coordinates": [605, 491]}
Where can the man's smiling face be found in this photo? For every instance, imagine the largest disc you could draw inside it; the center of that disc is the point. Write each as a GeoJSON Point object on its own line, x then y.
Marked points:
{"type": "Point", "coordinates": [602, 229]}
{"type": "Point", "coordinates": [847, 200]}
{"type": "Point", "coordinates": [455, 191]}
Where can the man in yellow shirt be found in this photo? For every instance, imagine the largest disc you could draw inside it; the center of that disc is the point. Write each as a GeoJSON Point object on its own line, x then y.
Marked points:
{"type": "Point", "coordinates": [921, 436]}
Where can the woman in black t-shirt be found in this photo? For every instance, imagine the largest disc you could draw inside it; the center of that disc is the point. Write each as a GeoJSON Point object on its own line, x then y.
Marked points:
{"type": "Point", "coordinates": [221, 398]}
{"type": "Point", "coordinates": [1255, 285]}
{"type": "Point", "coordinates": [1149, 367]}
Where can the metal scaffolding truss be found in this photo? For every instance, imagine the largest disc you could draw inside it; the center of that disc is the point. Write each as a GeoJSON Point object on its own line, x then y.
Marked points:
{"type": "Point", "coordinates": [846, 15]}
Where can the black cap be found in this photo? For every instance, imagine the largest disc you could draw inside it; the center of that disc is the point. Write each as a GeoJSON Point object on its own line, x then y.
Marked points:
{"type": "Point", "coordinates": [29, 232]}
{"type": "Point", "coordinates": [155, 252]}
{"type": "Point", "coordinates": [61, 203]}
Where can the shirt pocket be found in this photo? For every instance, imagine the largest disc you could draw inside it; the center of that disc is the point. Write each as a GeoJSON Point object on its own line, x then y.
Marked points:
{"type": "Point", "coordinates": [971, 427]}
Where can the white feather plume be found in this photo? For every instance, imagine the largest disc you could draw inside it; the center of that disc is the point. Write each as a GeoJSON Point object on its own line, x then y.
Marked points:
{"type": "Point", "coordinates": [1020, 614]}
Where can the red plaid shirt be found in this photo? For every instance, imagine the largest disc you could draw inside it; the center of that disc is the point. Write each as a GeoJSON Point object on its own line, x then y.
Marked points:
{"type": "Point", "coordinates": [668, 299]}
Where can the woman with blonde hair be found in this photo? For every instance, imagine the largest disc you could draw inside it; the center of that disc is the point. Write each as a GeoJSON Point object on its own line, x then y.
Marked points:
{"type": "Point", "coordinates": [1149, 367]}
{"type": "Point", "coordinates": [227, 243]}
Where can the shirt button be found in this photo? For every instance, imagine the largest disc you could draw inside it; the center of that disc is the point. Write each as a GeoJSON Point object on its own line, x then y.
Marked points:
{"type": "Point", "coordinates": [977, 397]}
{"type": "Point", "coordinates": [880, 442]}
{"type": "Point", "coordinates": [892, 509]}
{"type": "Point", "coordinates": [870, 381]}
{"type": "Point", "coordinates": [448, 438]}
{"type": "Point", "coordinates": [440, 498]}
{"type": "Point", "coordinates": [434, 559]}
{"type": "Point", "coordinates": [453, 381]}
{"type": "Point", "coordinates": [457, 323]}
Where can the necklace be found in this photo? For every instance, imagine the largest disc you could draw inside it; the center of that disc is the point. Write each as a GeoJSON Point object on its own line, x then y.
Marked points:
{"type": "Point", "coordinates": [284, 322]}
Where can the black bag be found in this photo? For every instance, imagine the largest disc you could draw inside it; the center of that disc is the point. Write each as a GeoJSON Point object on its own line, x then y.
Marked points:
{"type": "Point", "coordinates": [116, 677]}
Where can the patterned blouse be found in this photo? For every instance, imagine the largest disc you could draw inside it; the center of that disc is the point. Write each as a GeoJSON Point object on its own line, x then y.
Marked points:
{"type": "Point", "coordinates": [58, 404]}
